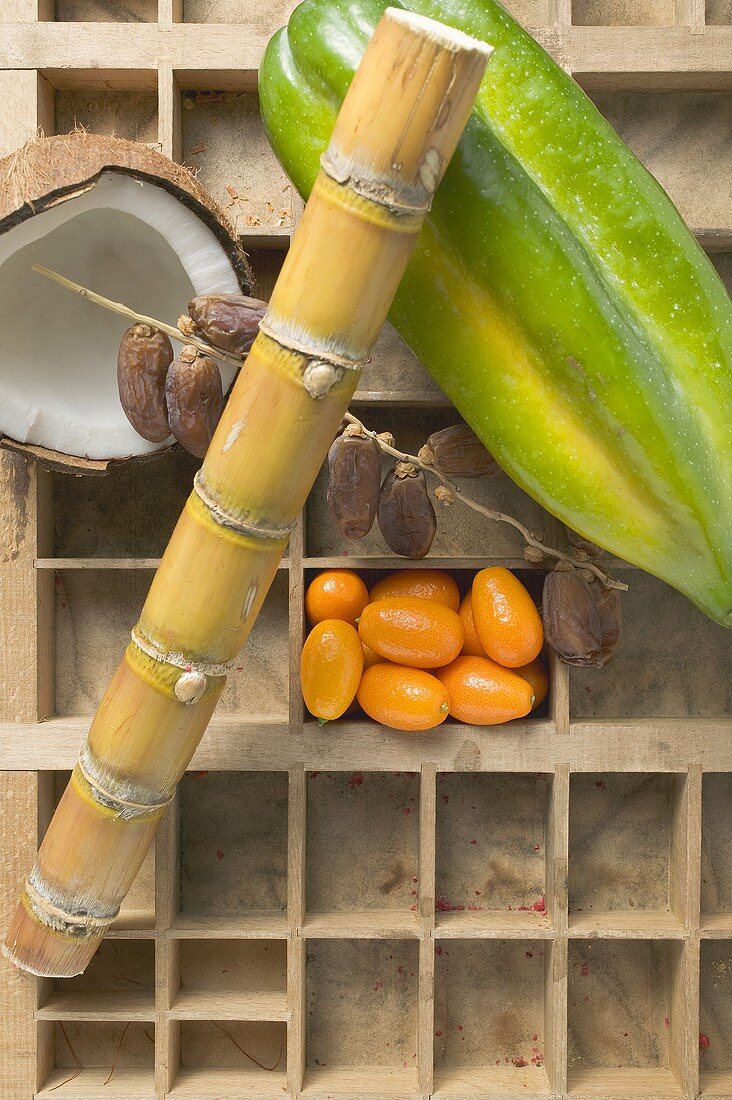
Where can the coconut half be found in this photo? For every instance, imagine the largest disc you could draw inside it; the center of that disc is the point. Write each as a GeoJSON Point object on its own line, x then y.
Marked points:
{"type": "Point", "coordinates": [123, 220]}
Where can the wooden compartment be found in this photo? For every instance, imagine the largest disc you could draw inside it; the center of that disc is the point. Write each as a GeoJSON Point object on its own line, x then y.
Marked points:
{"type": "Point", "coordinates": [461, 534]}
{"type": "Point", "coordinates": [371, 876]}
{"type": "Point", "coordinates": [90, 1060]}
{"type": "Point", "coordinates": [132, 115]}
{"type": "Point", "coordinates": [119, 984]}
{"type": "Point", "coordinates": [623, 13]}
{"type": "Point", "coordinates": [266, 17]}
{"type": "Point", "coordinates": [624, 1025]}
{"type": "Point", "coordinates": [719, 13]}
{"type": "Point", "coordinates": [230, 1059]}
{"type": "Point", "coordinates": [231, 980]}
{"type": "Point", "coordinates": [681, 670]}
{"type": "Point", "coordinates": [716, 860]}
{"type": "Point", "coordinates": [102, 11]}
{"type": "Point", "coordinates": [361, 1017]}
{"type": "Point", "coordinates": [232, 865]}
{"type": "Point", "coordinates": [97, 609]}
{"type": "Point", "coordinates": [490, 853]}
{"type": "Point", "coordinates": [489, 1033]}
{"type": "Point", "coordinates": [715, 1018]}
{"type": "Point", "coordinates": [680, 137]}
{"type": "Point", "coordinates": [223, 140]}
{"type": "Point", "coordinates": [626, 864]}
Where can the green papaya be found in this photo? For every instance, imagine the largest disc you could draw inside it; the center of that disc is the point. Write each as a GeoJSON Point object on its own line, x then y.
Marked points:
{"type": "Point", "coordinates": [556, 295]}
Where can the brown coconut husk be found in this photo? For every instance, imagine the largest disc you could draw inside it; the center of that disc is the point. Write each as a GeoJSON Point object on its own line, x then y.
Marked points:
{"type": "Point", "coordinates": [47, 171]}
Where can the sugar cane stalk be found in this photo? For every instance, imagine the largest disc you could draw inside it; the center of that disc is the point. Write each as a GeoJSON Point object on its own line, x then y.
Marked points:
{"type": "Point", "coordinates": [395, 135]}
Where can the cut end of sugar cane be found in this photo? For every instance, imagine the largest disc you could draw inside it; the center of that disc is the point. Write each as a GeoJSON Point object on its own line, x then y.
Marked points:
{"type": "Point", "coordinates": [58, 386]}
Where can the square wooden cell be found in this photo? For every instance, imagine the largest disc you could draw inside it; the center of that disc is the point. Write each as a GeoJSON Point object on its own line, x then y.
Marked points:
{"type": "Point", "coordinates": [624, 831]}
{"type": "Point", "coordinates": [374, 864]}
{"type": "Point", "coordinates": [653, 672]}
{"type": "Point", "coordinates": [624, 1017]}
{"type": "Point", "coordinates": [232, 980]}
{"type": "Point", "coordinates": [111, 1058]}
{"type": "Point", "coordinates": [460, 534]}
{"type": "Point", "coordinates": [680, 137]}
{"type": "Point", "coordinates": [623, 13]}
{"type": "Point", "coordinates": [223, 140]}
{"type": "Point", "coordinates": [97, 609]}
{"type": "Point", "coordinates": [102, 11]}
{"type": "Point", "coordinates": [361, 1005]}
{"type": "Point", "coordinates": [230, 1059]}
{"type": "Point", "coordinates": [490, 849]}
{"type": "Point", "coordinates": [715, 1018]}
{"type": "Point", "coordinates": [716, 864]}
{"type": "Point", "coordinates": [719, 13]}
{"type": "Point", "coordinates": [131, 115]}
{"type": "Point", "coordinates": [489, 1031]}
{"type": "Point", "coordinates": [233, 863]}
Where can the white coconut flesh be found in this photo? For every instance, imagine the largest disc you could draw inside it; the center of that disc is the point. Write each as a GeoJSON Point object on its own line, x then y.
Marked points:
{"type": "Point", "coordinates": [129, 240]}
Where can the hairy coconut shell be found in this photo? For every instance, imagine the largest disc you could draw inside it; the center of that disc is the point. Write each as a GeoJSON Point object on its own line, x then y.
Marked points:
{"type": "Point", "coordinates": [47, 171]}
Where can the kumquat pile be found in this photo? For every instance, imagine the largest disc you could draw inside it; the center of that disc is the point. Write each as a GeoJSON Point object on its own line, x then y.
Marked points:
{"type": "Point", "coordinates": [410, 652]}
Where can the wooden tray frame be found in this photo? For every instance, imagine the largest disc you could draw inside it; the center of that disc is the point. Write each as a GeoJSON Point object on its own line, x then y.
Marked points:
{"type": "Point", "coordinates": [172, 60]}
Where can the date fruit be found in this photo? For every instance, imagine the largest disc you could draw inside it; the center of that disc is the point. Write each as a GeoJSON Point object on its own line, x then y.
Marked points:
{"type": "Point", "coordinates": [582, 619]}
{"type": "Point", "coordinates": [195, 399]}
{"type": "Point", "coordinates": [354, 482]}
{"type": "Point", "coordinates": [457, 452]}
{"type": "Point", "coordinates": [228, 321]}
{"type": "Point", "coordinates": [142, 365]}
{"type": "Point", "coordinates": [406, 516]}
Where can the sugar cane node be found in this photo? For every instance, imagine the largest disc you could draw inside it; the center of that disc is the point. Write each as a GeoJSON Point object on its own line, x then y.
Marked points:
{"type": "Point", "coordinates": [212, 579]}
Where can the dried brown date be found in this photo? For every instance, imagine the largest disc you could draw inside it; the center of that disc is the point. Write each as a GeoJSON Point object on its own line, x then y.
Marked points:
{"type": "Point", "coordinates": [354, 482]}
{"type": "Point", "coordinates": [406, 516]}
{"type": "Point", "coordinates": [142, 365]}
{"type": "Point", "coordinates": [228, 321]}
{"type": "Point", "coordinates": [457, 452]}
{"type": "Point", "coordinates": [195, 399]}
{"type": "Point", "coordinates": [582, 619]}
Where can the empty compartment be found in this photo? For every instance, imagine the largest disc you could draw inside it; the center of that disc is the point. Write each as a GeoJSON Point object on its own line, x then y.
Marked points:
{"type": "Point", "coordinates": [394, 372]}
{"type": "Point", "coordinates": [232, 979]}
{"type": "Point", "coordinates": [113, 1059]}
{"type": "Point", "coordinates": [119, 983]}
{"type": "Point", "coordinates": [623, 1034]}
{"type": "Point", "coordinates": [101, 11]}
{"type": "Point", "coordinates": [489, 1017]}
{"type": "Point", "coordinates": [460, 531]}
{"type": "Point", "coordinates": [623, 13]}
{"type": "Point", "coordinates": [716, 868]}
{"type": "Point", "coordinates": [531, 13]}
{"type": "Point", "coordinates": [223, 139]}
{"type": "Point", "coordinates": [490, 847]}
{"type": "Point", "coordinates": [362, 1016]}
{"type": "Point", "coordinates": [233, 843]}
{"type": "Point", "coordinates": [362, 843]}
{"type": "Point", "coordinates": [263, 21]}
{"type": "Point", "coordinates": [621, 843]}
{"type": "Point", "coordinates": [97, 609]}
{"type": "Point", "coordinates": [719, 13]}
{"type": "Point", "coordinates": [130, 512]}
{"type": "Point", "coordinates": [95, 612]}
{"type": "Point", "coordinates": [672, 661]}
{"type": "Point", "coordinates": [132, 115]}
{"type": "Point", "coordinates": [681, 137]}
{"type": "Point", "coordinates": [715, 1018]}
{"type": "Point", "coordinates": [137, 912]}
{"type": "Point", "coordinates": [231, 1058]}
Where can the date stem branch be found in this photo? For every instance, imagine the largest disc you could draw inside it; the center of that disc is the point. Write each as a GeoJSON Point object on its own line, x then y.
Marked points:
{"type": "Point", "coordinates": [226, 357]}
{"type": "Point", "coordinates": [489, 513]}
